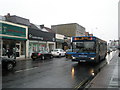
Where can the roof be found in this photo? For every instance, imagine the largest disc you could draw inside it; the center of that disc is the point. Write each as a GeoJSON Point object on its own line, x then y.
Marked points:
{"type": "Point", "coordinates": [33, 26]}
{"type": "Point", "coordinates": [49, 30]}
{"type": "Point", "coordinates": [18, 20]}
{"type": "Point", "coordinates": [67, 24]}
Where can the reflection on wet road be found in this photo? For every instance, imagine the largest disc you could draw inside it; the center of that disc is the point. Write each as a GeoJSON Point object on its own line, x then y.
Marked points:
{"type": "Point", "coordinates": [53, 73]}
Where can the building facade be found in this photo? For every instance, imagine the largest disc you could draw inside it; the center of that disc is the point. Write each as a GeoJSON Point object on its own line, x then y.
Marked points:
{"type": "Point", "coordinates": [71, 29]}
{"type": "Point", "coordinates": [40, 41]}
{"type": "Point", "coordinates": [59, 40]}
{"type": "Point", "coordinates": [13, 36]}
{"type": "Point", "coordinates": [25, 36]}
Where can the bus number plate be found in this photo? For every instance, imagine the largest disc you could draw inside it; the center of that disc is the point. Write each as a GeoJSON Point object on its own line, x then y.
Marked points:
{"type": "Point", "coordinates": [82, 61]}
{"type": "Point", "coordinates": [82, 56]}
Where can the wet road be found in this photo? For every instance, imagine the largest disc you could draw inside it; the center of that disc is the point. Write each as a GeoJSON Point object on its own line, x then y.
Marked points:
{"type": "Point", "coordinates": [53, 73]}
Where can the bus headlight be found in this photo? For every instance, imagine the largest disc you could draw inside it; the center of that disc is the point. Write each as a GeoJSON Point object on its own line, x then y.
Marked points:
{"type": "Point", "coordinates": [73, 57]}
{"type": "Point", "coordinates": [92, 58]}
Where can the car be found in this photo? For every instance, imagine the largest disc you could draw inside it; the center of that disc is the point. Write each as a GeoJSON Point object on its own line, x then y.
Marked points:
{"type": "Point", "coordinates": [41, 55]}
{"type": "Point", "coordinates": [109, 50]}
{"type": "Point", "coordinates": [7, 63]}
{"type": "Point", "coordinates": [58, 52]}
{"type": "Point", "coordinates": [69, 53]}
{"type": "Point", "coordinates": [114, 49]}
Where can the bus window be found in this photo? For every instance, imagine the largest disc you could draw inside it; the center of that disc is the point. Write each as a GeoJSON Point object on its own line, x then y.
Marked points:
{"type": "Point", "coordinates": [88, 46]}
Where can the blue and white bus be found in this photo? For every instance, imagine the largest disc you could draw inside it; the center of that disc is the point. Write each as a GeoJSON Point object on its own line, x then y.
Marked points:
{"type": "Point", "coordinates": [88, 49]}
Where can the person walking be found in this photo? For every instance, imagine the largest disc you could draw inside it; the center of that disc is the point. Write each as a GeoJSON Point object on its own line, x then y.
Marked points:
{"type": "Point", "coordinates": [8, 52]}
{"type": "Point", "coordinates": [14, 53]}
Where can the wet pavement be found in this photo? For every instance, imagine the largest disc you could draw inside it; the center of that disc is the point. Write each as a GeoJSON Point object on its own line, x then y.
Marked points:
{"type": "Point", "coordinates": [52, 73]}
{"type": "Point", "coordinates": [109, 76]}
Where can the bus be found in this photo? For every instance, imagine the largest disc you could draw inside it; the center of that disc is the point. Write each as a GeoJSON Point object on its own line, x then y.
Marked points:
{"type": "Point", "coordinates": [88, 49]}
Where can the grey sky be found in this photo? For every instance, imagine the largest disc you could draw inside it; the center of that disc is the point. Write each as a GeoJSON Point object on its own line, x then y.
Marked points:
{"type": "Point", "coordinates": [99, 17]}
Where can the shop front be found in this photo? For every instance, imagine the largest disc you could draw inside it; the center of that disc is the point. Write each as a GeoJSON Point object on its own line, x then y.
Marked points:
{"type": "Point", "coordinates": [13, 39]}
{"type": "Point", "coordinates": [40, 41]}
{"type": "Point", "coordinates": [59, 41]}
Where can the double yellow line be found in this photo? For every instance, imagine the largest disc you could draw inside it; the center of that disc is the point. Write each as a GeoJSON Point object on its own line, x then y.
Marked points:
{"type": "Point", "coordinates": [80, 84]}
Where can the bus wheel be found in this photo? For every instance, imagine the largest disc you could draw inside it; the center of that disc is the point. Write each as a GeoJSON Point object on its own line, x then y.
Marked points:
{"type": "Point", "coordinates": [97, 61]}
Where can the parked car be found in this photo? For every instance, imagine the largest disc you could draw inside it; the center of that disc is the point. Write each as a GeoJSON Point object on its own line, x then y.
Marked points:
{"type": "Point", "coordinates": [41, 55]}
{"type": "Point", "coordinates": [7, 63]}
{"type": "Point", "coordinates": [109, 50]}
{"type": "Point", "coordinates": [114, 49]}
{"type": "Point", "coordinates": [58, 52]}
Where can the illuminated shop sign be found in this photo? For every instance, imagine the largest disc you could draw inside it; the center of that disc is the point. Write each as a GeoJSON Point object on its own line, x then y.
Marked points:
{"type": "Point", "coordinates": [83, 38]}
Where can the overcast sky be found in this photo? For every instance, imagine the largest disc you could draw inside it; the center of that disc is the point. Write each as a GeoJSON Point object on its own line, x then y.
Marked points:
{"type": "Point", "coordinates": [99, 17]}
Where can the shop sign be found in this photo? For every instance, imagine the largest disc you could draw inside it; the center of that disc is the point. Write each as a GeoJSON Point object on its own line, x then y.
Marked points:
{"type": "Point", "coordinates": [60, 40]}
{"type": "Point", "coordinates": [35, 37]}
{"type": "Point", "coordinates": [8, 29]}
{"type": "Point", "coordinates": [34, 34]}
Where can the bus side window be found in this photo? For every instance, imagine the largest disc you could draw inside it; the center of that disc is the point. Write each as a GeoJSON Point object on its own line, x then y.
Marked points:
{"type": "Point", "coordinates": [97, 48]}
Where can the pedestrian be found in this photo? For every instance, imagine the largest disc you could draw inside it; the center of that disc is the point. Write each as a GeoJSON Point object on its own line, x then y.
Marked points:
{"type": "Point", "coordinates": [14, 52]}
{"type": "Point", "coordinates": [4, 52]}
{"type": "Point", "coordinates": [8, 52]}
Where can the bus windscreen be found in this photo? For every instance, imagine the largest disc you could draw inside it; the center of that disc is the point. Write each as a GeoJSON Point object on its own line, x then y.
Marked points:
{"type": "Point", "coordinates": [84, 47]}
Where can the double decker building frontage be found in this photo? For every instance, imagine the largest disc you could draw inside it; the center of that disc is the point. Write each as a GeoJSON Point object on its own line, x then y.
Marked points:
{"type": "Point", "coordinates": [13, 36]}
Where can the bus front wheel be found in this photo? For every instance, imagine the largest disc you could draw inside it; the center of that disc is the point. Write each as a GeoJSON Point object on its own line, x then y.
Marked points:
{"type": "Point", "coordinates": [97, 60]}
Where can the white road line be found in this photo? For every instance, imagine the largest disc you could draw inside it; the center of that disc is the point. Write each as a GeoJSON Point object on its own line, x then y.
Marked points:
{"type": "Point", "coordinates": [25, 69]}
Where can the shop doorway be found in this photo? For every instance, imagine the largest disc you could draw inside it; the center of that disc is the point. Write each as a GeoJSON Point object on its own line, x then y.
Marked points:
{"type": "Point", "coordinates": [14, 46]}
{"type": "Point", "coordinates": [18, 49]}
{"type": "Point", "coordinates": [51, 47]}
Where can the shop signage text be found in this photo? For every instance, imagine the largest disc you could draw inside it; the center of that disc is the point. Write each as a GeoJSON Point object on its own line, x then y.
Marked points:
{"type": "Point", "coordinates": [8, 29]}
{"type": "Point", "coordinates": [35, 37]}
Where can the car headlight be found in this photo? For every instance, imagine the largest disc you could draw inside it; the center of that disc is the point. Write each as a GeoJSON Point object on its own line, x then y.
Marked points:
{"type": "Point", "coordinates": [92, 58]}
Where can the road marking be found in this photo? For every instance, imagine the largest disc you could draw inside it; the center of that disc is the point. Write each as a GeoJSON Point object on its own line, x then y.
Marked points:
{"type": "Point", "coordinates": [80, 84]}
{"type": "Point", "coordinates": [25, 69]}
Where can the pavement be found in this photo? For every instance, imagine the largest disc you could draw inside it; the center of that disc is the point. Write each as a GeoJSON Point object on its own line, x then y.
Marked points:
{"type": "Point", "coordinates": [108, 77]}
{"type": "Point", "coordinates": [20, 58]}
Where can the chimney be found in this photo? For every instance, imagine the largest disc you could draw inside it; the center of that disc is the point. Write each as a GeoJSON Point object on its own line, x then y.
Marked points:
{"type": "Point", "coordinates": [42, 26]}
{"type": "Point", "coordinates": [8, 15]}
{"type": "Point", "coordinates": [90, 34]}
